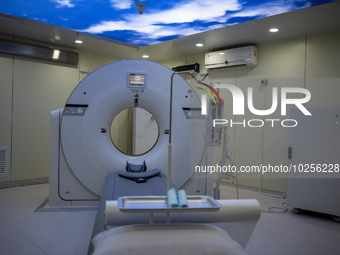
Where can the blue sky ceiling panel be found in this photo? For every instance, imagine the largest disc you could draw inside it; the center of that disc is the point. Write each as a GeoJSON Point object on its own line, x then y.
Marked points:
{"type": "Point", "coordinates": [161, 21]}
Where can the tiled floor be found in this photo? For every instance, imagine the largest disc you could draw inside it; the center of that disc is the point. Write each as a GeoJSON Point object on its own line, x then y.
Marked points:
{"type": "Point", "coordinates": [289, 233]}
{"type": "Point", "coordinates": [25, 232]}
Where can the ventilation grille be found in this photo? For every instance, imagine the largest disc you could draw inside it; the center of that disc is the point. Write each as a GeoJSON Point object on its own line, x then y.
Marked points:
{"type": "Point", "coordinates": [3, 162]}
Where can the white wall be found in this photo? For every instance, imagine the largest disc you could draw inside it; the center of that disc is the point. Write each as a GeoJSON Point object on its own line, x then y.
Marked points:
{"type": "Point", "coordinates": [29, 90]}
{"type": "Point", "coordinates": [6, 67]}
{"type": "Point", "coordinates": [310, 62]}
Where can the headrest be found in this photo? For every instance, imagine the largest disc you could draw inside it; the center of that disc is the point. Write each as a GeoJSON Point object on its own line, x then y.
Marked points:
{"type": "Point", "coordinates": [140, 177]}
{"type": "Point", "coordinates": [135, 168]}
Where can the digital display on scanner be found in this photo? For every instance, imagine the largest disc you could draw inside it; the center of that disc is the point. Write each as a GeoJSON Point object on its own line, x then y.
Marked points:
{"type": "Point", "coordinates": [137, 79]}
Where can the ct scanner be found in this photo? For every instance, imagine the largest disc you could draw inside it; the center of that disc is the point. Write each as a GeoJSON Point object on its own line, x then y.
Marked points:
{"type": "Point", "coordinates": [86, 164]}
{"type": "Point", "coordinates": [83, 153]}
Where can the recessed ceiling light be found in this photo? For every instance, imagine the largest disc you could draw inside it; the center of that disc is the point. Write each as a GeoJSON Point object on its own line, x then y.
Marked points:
{"type": "Point", "coordinates": [221, 53]}
{"type": "Point", "coordinates": [145, 56]}
{"type": "Point", "coordinates": [199, 44]}
{"type": "Point", "coordinates": [274, 30]}
{"type": "Point", "coordinates": [78, 41]}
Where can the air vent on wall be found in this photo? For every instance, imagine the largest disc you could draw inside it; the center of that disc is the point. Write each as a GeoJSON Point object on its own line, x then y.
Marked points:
{"type": "Point", "coordinates": [3, 162]}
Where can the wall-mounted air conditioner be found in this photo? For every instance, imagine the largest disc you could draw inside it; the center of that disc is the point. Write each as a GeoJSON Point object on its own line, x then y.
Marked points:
{"type": "Point", "coordinates": [243, 56]}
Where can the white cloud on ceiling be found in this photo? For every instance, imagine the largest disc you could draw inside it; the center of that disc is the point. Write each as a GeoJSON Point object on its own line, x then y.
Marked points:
{"type": "Point", "coordinates": [63, 3]}
{"type": "Point", "coordinates": [201, 10]}
{"type": "Point", "coordinates": [121, 4]}
{"type": "Point", "coordinates": [176, 21]}
{"type": "Point", "coordinates": [270, 8]}
{"type": "Point", "coordinates": [153, 22]}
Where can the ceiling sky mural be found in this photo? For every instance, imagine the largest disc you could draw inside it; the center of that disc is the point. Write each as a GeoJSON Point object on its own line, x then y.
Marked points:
{"type": "Point", "coordinates": [150, 21]}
